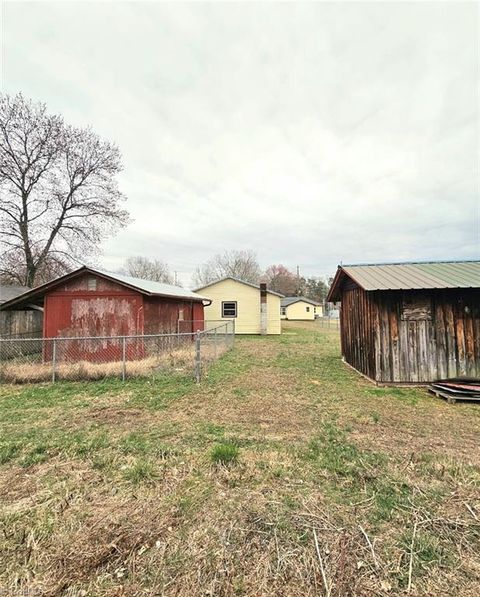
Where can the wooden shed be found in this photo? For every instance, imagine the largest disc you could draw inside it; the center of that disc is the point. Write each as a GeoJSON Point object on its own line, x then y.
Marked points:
{"type": "Point", "coordinates": [410, 322]}
{"type": "Point", "coordinates": [19, 323]}
{"type": "Point", "coordinates": [94, 303]}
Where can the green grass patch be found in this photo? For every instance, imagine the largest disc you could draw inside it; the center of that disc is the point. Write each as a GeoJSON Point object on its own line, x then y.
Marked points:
{"type": "Point", "coordinates": [332, 451]}
{"type": "Point", "coordinates": [142, 443]}
{"type": "Point", "coordinates": [408, 395]}
{"type": "Point", "coordinates": [8, 451]}
{"type": "Point", "coordinates": [141, 472]}
{"type": "Point", "coordinates": [36, 455]}
{"type": "Point", "coordinates": [428, 552]}
{"type": "Point", "coordinates": [225, 453]}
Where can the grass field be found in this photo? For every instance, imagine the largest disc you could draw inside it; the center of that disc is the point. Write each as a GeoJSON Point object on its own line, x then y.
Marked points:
{"type": "Point", "coordinates": [283, 473]}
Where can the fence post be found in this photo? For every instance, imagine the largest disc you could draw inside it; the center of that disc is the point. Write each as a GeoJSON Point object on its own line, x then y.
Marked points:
{"type": "Point", "coordinates": [198, 358]}
{"type": "Point", "coordinates": [54, 359]}
{"type": "Point", "coordinates": [124, 354]}
{"type": "Point", "coordinates": [215, 344]}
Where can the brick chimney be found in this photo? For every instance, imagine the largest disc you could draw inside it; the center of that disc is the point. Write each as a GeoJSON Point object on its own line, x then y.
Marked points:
{"type": "Point", "coordinates": [263, 309]}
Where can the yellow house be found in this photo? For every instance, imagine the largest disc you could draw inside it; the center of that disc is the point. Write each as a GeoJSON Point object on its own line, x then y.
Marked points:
{"type": "Point", "coordinates": [254, 309]}
{"type": "Point", "coordinates": [300, 308]}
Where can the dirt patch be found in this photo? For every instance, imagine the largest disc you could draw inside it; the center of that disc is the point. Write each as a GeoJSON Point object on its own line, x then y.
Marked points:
{"type": "Point", "coordinates": [17, 483]}
{"type": "Point", "coordinates": [113, 415]}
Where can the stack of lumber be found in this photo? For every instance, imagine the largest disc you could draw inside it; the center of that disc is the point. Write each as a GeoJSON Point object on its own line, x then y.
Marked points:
{"type": "Point", "coordinates": [456, 388]}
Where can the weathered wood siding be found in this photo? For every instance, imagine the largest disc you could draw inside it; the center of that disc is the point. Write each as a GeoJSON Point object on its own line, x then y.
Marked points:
{"type": "Point", "coordinates": [416, 336]}
{"type": "Point", "coordinates": [357, 322]}
{"type": "Point", "coordinates": [441, 338]}
{"type": "Point", "coordinates": [23, 324]}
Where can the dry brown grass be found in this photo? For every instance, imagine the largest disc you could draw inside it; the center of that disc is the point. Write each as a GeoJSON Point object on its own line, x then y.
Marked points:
{"type": "Point", "coordinates": [25, 372]}
{"type": "Point", "coordinates": [113, 491]}
{"type": "Point", "coordinates": [178, 359]}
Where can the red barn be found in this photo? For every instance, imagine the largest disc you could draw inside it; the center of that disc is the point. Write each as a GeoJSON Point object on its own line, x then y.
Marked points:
{"type": "Point", "coordinates": [90, 302]}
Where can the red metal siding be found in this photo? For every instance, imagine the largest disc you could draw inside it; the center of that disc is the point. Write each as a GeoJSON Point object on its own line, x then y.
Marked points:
{"type": "Point", "coordinates": [162, 315]}
{"type": "Point", "coordinates": [81, 284]}
{"type": "Point", "coordinates": [110, 309]}
{"type": "Point", "coordinates": [198, 317]}
{"type": "Point", "coordinates": [98, 315]}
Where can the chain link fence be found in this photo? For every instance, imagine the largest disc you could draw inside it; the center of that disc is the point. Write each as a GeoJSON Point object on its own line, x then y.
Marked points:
{"type": "Point", "coordinates": [25, 360]}
{"type": "Point", "coordinates": [329, 323]}
{"type": "Point", "coordinates": [195, 325]}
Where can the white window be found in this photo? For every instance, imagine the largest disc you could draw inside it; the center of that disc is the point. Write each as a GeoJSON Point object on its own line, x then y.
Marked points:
{"type": "Point", "coordinates": [180, 315]}
{"type": "Point", "coordinates": [307, 309]}
{"type": "Point", "coordinates": [92, 284]}
{"type": "Point", "coordinates": [283, 310]}
{"type": "Point", "coordinates": [229, 308]}
{"type": "Point", "coordinates": [314, 309]}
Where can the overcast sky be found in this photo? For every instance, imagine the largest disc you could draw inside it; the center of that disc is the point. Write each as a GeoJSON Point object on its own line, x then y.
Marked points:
{"type": "Point", "coordinates": [312, 133]}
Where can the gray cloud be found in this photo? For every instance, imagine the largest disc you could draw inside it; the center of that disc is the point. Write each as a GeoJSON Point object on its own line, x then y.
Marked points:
{"type": "Point", "coordinates": [311, 133]}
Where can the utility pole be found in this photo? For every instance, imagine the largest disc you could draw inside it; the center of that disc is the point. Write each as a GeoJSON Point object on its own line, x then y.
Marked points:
{"type": "Point", "coordinates": [298, 280]}
{"type": "Point", "coordinates": [175, 277]}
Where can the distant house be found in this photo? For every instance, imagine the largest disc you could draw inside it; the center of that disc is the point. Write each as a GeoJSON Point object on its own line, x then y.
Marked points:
{"type": "Point", "coordinates": [90, 302]}
{"type": "Point", "coordinates": [410, 322]}
{"type": "Point", "coordinates": [20, 323]}
{"type": "Point", "coordinates": [254, 309]}
{"type": "Point", "coordinates": [300, 308]}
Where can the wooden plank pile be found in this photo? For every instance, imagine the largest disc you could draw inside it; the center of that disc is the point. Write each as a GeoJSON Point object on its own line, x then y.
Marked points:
{"type": "Point", "coordinates": [456, 388]}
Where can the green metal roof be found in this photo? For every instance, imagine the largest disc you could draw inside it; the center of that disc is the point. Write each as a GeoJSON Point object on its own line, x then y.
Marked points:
{"type": "Point", "coordinates": [409, 276]}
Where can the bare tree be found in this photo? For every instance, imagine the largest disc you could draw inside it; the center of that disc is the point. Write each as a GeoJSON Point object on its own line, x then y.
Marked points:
{"type": "Point", "coordinates": [238, 264]}
{"type": "Point", "coordinates": [59, 194]}
{"type": "Point", "coordinates": [281, 279]}
{"type": "Point", "coordinates": [14, 272]}
{"type": "Point", "coordinates": [148, 269]}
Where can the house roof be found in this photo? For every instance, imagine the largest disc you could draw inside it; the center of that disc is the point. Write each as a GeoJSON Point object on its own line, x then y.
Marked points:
{"type": "Point", "coordinates": [408, 276]}
{"type": "Point", "coordinates": [237, 280]}
{"type": "Point", "coordinates": [146, 287]}
{"type": "Point", "coordinates": [9, 292]}
{"type": "Point", "coordinates": [290, 300]}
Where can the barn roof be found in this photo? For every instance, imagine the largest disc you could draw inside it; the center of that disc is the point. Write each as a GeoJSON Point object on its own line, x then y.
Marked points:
{"type": "Point", "coordinates": [153, 288]}
{"type": "Point", "coordinates": [146, 287]}
{"type": "Point", "coordinates": [237, 280]}
{"type": "Point", "coordinates": [9, 292]}
{"type": "Point", "coordinates": [408, 276]}
{"type": "Point", "coordinates": [290, 300]}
